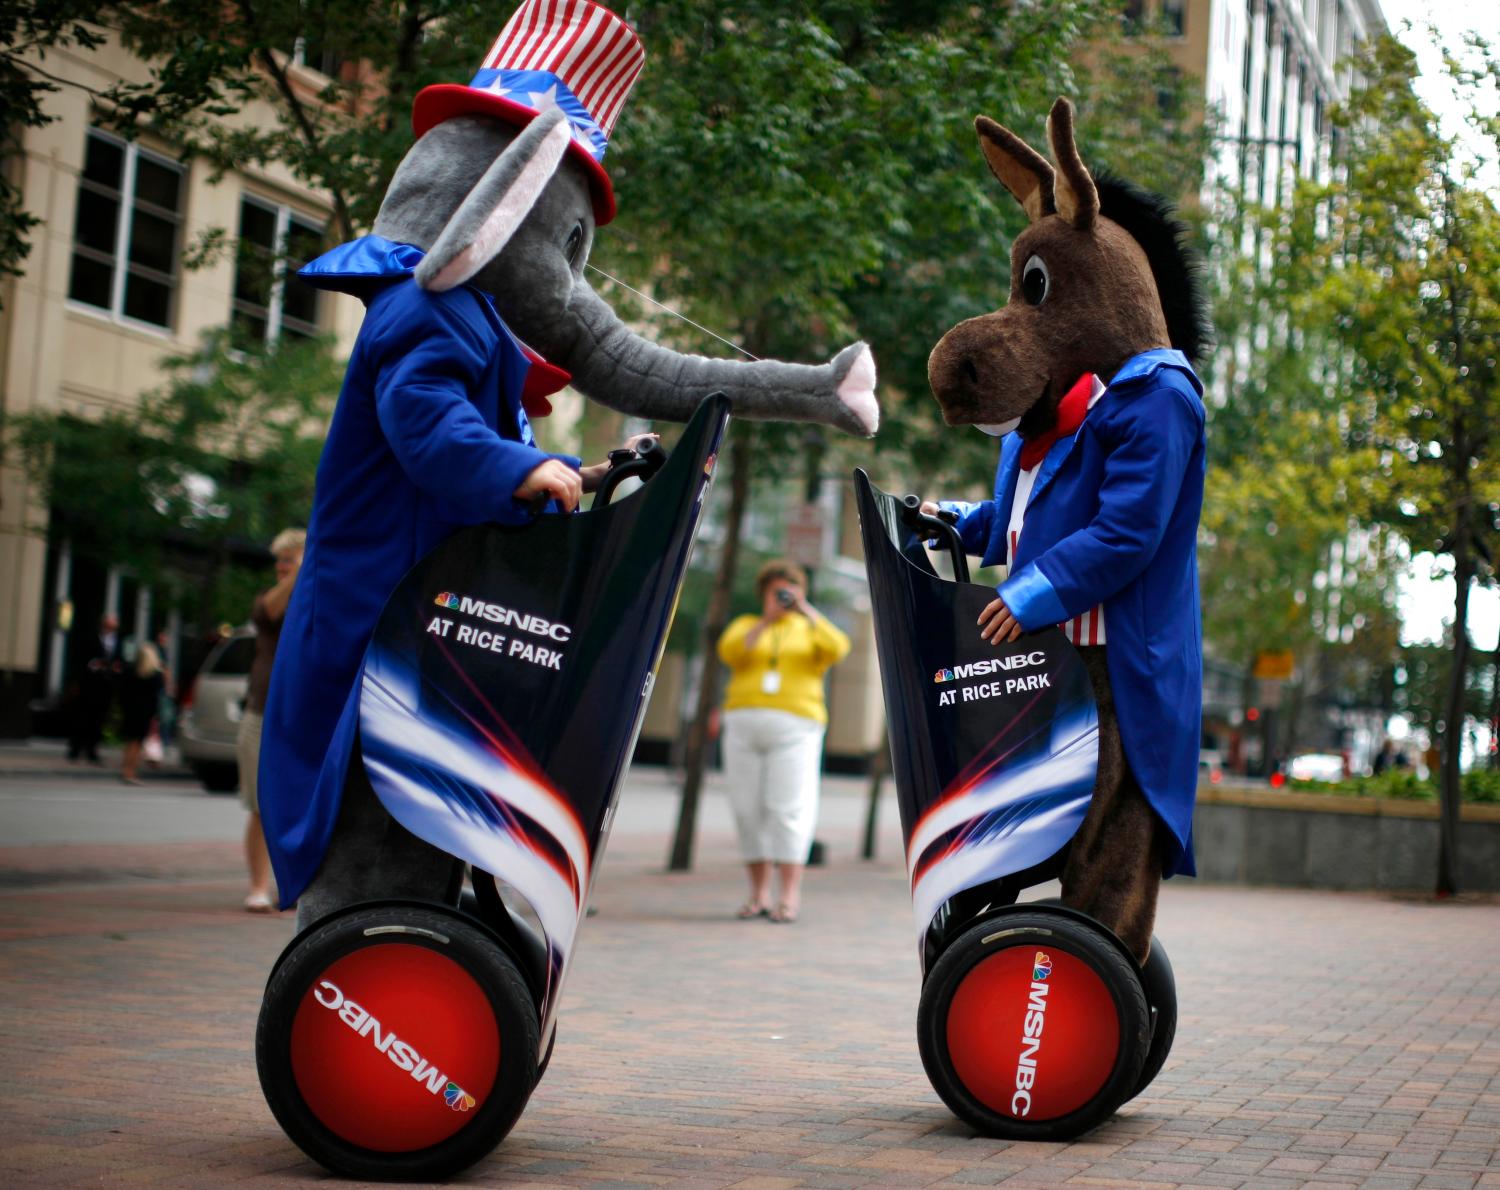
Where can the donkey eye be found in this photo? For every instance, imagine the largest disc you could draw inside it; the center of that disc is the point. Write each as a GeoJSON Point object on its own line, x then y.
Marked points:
{"type": "Point", "coordinates": [575, 242]}
{"type": "Point", "coordinates": [1035, 281]}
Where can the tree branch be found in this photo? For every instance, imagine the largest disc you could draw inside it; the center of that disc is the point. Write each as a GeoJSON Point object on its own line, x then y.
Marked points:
{"type": "Point", "coordinates": [300, 116]}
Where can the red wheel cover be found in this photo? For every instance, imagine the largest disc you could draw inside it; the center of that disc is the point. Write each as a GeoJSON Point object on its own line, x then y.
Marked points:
{"type": "Point", "coordinates": [375, 1021]}
{"type": "Point", "coordinates": [1065, 1007]}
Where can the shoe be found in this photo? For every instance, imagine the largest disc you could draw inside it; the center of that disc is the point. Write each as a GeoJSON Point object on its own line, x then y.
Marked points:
{"type": "Point", "coordinates": [259, 903]}
{"type": "Point", "coordinates": [131, 781]}
{"type": "Point", "coordinates": [749, 911]}
{"type": "Point", "coordinates": [784, 915]}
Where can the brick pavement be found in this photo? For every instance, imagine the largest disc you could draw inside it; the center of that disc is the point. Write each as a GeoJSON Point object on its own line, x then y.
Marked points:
{"type": "Point", "coordinates": [1325, 1040]}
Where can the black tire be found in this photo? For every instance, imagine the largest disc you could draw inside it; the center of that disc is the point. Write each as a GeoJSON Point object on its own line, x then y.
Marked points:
{"type": "Point", "coordinates": [478, 977]}
{"type": "Point", "coordinates": [218, 778]}
{"type": "Point", "coordinates": [1115, 983]}
{"type": "Point", "coordinates": [1161, 995]}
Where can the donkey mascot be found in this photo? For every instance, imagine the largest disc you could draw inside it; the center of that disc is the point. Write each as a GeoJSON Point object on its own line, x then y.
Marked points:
{"type": "Point", "coordinates": [477, 310]}
{"type": "Point", "coordinates": [1087, 374]}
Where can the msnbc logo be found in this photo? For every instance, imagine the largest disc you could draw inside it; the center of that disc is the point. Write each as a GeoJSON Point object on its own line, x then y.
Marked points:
{"type": "Point", "coordinates": [943, 675]}
{"type": "Point", "coordinates": [457, 1098]}
{"type": "Point", "coordinates": [1040, 969]}
{"type": "Point", "coordinates": [447, 599]}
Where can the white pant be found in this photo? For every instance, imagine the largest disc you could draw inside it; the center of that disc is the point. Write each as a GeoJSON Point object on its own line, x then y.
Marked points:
{"type": "Point", "coordinates": [771, 759]}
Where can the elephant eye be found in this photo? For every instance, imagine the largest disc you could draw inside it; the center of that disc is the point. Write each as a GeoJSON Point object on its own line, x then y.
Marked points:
{"type": "Point", "coordinates": [575, 242]}
{"type": "Point", "coordinates": [1035, 281]}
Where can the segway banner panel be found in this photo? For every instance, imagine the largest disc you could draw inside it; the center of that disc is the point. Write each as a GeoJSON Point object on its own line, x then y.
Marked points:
{"type": "Point", "coordinates": [506, 683]}
{"type": "Point", "coordinates": [994, 748]}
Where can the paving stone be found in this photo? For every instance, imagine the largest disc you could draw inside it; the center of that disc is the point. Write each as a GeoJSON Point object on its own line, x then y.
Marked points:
{"type": "Point", "coordinates": [702, 1052]}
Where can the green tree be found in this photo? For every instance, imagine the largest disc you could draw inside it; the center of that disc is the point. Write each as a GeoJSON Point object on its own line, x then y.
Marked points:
{"type": "Point", "coordinates": [797, 178]}
{"type": "Point", "coordinates": [193, 482]}
{"type": "Point", "coordinates": [1369, 417]}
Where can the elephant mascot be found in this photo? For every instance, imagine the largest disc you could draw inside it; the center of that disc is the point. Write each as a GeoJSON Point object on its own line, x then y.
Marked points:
{"type": "Point", "coordinates": [476, 310]}
{"type": "Point", "coordinates": [1087, 374]}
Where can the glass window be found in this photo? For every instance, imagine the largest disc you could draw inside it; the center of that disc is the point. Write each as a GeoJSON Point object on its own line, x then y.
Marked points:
{"type": "Point", "coordinates": [1174, 16]}
{"type": "Point", "coordinates": [143, 231]}
{"type": "Point", "coordinates": [270, 301]}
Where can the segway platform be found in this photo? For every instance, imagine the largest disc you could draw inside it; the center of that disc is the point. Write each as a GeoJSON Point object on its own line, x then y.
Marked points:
{"type": "Point", "coordinates": [501, 698]}
{"type": "Point", "coordinates": [1034, 1022]}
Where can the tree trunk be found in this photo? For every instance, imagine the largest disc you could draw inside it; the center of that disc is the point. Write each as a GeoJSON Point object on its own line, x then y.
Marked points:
{"type": "Point", "coordinates": [681, 858]}
{"type": "Point", "coordinates": [880, 765]}
{"type": "Point", "coordinates": [1450, 802]}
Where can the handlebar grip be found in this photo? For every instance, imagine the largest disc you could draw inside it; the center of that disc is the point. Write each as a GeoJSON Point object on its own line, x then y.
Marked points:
{"type": "Point", "coordinates": [939, 527]}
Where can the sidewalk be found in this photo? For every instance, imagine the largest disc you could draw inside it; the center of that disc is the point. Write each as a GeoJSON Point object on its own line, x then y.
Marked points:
{"type": "Point", "coordinates": [49, 758]}
{"type": "Point", "coordinates": [1325, 1039]}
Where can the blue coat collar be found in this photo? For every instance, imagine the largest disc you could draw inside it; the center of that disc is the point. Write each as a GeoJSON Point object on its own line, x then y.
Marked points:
{"type": "Point", "coordinates": [1137, 368]}
{"type": "Point", "coordinates": [351, 267]}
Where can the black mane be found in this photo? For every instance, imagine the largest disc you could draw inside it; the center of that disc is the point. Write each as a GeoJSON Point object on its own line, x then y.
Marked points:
{"type": "Point", "coordinates": [1175, 264]}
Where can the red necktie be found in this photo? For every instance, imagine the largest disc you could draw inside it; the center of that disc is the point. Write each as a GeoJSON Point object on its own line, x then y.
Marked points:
{"type": "Point", "coordinates": [1071, 411]}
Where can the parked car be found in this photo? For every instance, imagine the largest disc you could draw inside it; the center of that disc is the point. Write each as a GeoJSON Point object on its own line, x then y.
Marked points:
{"type": "Point", "coordinates": [1316, 766]}
{"type": "Point", "coordinates": [212, 709]}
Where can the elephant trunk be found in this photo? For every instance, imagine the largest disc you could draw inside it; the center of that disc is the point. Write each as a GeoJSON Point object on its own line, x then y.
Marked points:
{"type": "Point", "coordinates": [613, 365]}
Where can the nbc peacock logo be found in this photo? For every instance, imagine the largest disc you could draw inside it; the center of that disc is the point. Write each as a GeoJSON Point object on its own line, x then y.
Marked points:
{"type": "Point", "coordinates": [457, 1098]}
{"type": "Point", "coordinates": [1041, 967]}
{"type": "Point", "coordinates": [943, 675]}
{"type": "Point", "coordinates": [446, 599]}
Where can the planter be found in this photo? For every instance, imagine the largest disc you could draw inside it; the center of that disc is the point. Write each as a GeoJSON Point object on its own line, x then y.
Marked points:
{"type": "Point", "coordinates": [1312, 840]}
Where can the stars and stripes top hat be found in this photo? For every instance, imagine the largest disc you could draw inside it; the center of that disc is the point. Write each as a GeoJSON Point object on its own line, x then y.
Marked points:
{"type": "Point", "coordinates": [570, 54]}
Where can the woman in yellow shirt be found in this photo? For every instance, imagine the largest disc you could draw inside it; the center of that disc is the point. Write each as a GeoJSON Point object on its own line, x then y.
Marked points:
{"type": "Point", "coordinates": [774, 718]}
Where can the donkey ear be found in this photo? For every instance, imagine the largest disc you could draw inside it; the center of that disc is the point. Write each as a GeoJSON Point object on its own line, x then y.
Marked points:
{"type": "Point", "coordinates": [497, 205]}
{"type": "Point", "coordinates": [1021, 169]}
{"type": "Point", "coordinates": [1076, 195]}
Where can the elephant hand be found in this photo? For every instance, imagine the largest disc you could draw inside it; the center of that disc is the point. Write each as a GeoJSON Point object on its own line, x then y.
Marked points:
{"type": "Point", "coordinates": [554, 479]}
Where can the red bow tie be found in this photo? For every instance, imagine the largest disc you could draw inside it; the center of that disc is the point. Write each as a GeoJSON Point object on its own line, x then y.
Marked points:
{"type": "Point", "coordinates": [542, 380]}
{"type": "Point", "coordinates": [1071, 411]}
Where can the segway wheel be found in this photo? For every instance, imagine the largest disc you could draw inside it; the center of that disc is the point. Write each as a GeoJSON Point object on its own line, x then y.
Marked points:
{"type": "Point", "coordinates": [1033, 1025]}
{"type": "Point", "coordinates": [396, 1043]}
{"type": "Point", "coordinates": [1161, 996]}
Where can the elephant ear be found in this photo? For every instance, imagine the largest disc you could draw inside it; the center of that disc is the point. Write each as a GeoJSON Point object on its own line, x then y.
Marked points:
{"type": "Point", "coordinates": [1018, 167]}
{"type": "Point", "coordinates": [497, 205]}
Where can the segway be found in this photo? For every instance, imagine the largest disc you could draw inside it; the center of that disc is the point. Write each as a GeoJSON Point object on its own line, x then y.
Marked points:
{"type": "Point", "coordinates": [1035, 1022]}
{"type": "Point", "coordinates": [501, 697]}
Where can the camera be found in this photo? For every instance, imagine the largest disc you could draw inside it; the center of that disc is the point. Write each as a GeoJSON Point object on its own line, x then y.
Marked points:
{"type": "Point", "coordinates": [785, 597]}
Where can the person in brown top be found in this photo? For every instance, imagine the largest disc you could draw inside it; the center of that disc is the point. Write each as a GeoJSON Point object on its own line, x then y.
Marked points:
{"type": "Point", "coordinates": [266, 616]}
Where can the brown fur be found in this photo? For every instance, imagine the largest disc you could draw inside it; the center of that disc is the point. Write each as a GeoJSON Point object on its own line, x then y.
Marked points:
{"type": "Point", "coordinates": [1113, 871]}
{"type": "Point", "coordinates": [1101, 307]}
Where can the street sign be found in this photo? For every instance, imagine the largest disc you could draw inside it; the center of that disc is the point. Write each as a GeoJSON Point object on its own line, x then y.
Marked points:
{"type": "Point", "coordinates": [1275, 664]}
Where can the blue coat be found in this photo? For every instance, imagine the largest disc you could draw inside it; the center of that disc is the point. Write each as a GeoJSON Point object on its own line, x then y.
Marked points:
{"type": "Point", "coordinates": [417, 448]}
{"type": "Point", "coordinates": [1113, 519]}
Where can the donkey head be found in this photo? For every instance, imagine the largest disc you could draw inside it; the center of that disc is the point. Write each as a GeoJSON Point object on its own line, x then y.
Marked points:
{"type": "Point", "coordinates": [1087, 278]}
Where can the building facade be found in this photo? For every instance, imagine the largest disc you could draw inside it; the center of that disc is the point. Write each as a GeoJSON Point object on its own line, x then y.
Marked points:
{"type": "Point", "coordinates": [105, 295]}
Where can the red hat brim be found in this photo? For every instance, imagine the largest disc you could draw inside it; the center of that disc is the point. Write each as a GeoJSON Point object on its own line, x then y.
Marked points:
{"type": "Point", "coordinates": [443, 101]}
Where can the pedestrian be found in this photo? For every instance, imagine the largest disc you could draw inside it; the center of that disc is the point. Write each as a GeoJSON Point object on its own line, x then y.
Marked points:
{"type": "Point", "coordinates": [140, 695]}
{"type": "Point", "coordinates": [774, 719]}
{"type": "Point", "coordinates": [1385, 758]}
{"type": "Point", "coordinates": [94, 682]}
{"type": "Point", "coordinates": [266, 615]}
{"type": "Point", "coordinates": [166, 715]}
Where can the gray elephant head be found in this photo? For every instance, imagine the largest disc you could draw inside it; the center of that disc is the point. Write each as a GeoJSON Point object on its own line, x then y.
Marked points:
{"type": "Point", "coordinates": [509, 211]}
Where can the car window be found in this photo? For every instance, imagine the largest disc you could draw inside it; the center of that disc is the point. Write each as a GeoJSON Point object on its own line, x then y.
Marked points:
{"type": "Point", "coordinates": [233, 658]}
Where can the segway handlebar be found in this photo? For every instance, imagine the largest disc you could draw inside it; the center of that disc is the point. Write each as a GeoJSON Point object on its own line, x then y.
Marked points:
{"type": "Point", "coordinates": [645, 461]}
{"type": "Point", "coordinates": [940, 527]}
